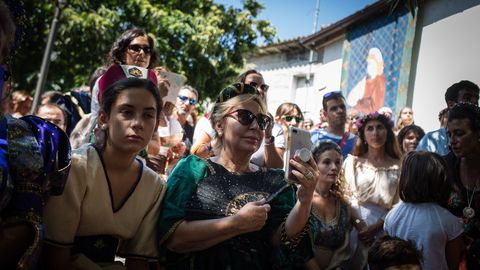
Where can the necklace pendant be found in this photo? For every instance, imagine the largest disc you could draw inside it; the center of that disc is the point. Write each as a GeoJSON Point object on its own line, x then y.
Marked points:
{"type": "Point", "coordinates": [468, 212]}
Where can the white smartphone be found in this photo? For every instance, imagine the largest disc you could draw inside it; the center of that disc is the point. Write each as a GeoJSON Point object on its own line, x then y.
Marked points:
{"type": "Point", "coordinates": [297, 139]}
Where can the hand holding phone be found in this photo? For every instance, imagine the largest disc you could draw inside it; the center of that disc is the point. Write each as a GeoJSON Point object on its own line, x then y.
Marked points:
{"type": "Point", "coordinates": [298, 144]}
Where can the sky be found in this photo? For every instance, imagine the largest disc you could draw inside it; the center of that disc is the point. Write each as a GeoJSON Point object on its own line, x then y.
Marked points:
{"type": "Point", "coordinates": [294, 18]}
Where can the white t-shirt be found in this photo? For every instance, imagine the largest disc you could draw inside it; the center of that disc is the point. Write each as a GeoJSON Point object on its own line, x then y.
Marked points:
{"type": "Point", "coordinates": [203, 126]}
{"type": "Point", "coordinates": [173, 127]}
{"type": "Point", "coordinates": [429, 225]}
{"type": "Point", "coordinates": [258, 158]}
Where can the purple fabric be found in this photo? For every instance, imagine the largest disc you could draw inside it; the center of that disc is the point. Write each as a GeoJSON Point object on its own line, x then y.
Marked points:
{"type": "Point", "coordinates": [56, 152]}
{"type": "Point", "coordinates": [6, 185]}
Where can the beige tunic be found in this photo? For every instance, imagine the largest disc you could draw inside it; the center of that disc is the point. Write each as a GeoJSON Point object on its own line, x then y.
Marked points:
{"type": "Point", "coordinates": [372, 193]}
{"type": "Point", "coordinates": [85, 208]}
{"type": "Point", "coordinates": [374, 187]}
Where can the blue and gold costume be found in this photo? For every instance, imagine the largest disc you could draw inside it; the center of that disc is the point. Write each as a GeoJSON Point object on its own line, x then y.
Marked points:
{"type": "Point", "coordinates": [34, 162]}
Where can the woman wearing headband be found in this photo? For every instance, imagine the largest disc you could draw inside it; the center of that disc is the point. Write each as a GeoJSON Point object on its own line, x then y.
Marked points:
{"type": "Point", "coordinates": [372, 178]}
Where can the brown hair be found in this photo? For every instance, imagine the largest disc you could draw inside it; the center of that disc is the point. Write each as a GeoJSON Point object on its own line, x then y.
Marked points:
{"type": "Point", "coordinates": [418, 131]}
{"type": "Point", "coordinates": [119, 47]}
{"type": "Point", "coordinates": [392, 251]}
{"type": "Point", "coordinates": [392, 147]}
{"type": "Point", "coordinates": [338, 189]}
{"type": "Point", "coordinates": [242, 77]}
{"type": "Point", "coordinates": [286, 108]}
{"type": "Point", "coordinates": [468, 111]}
{"type": "Point", "coordinates": [424, 178]}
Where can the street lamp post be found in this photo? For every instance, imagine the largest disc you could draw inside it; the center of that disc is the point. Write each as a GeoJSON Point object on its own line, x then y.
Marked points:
{"type": "Point", "coordinates": [310, 59]}
{"type": "Point", "coordinates": [42, 76]}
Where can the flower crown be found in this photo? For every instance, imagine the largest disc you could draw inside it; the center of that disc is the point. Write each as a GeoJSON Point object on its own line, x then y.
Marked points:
{"type": "Point", "coordinates": [373, 116]}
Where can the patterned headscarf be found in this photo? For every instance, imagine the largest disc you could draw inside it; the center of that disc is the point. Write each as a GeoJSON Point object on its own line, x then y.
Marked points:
{"type": "Point", "coordinates": [234, 90]}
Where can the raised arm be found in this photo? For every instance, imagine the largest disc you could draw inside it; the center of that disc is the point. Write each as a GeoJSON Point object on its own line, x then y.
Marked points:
{"type": "Point", "coordinates": [296, 222]}
{"type": "Point", "coordinates": [273, 154]}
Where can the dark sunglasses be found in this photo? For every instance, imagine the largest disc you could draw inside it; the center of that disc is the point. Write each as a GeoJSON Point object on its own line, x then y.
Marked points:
{"type": "Point", "coordinates": [264, 87]}
{"type": "Point", "coordinates": [137, 48]}
{"type": "Point", "coordinates": [246, 117]}
{"type": "Point", "coordinates": [289, 118]}
{"type": "Point", "coordinates": [191, 101]}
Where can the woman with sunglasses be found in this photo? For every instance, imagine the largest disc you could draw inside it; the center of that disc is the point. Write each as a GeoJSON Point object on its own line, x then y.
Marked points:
{"type": "Point", "coordinates": [288, 115]}
{"type": "Point", "coordinates": [133, 47]}
{"type": "Point", "coordinates": [255, 79]}
{"type": "Point", "coordinates": [372, 172]}
{"type": "Point", "coordinates": [219, 213]}
{"type": "Point", "coordinates": [269, 154]}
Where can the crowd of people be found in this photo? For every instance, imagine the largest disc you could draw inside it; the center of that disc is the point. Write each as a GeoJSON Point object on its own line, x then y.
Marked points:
{"type": "Point", "coordinates": [119, 176]}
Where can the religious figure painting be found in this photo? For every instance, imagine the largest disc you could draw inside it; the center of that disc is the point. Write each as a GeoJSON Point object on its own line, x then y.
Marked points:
{"type": "Point", "coordinates": [376, 62]}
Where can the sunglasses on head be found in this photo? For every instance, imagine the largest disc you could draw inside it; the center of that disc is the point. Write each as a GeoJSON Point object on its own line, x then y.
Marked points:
{"type": "Point", "coordinates": [246, 117]}
{"type": "Point", "coordinates": [191, 101]}
{"type": "Point", "coordinates": [289, 118]}
{"type": "Point", "coordinates": [333, 94]}
{"type": "Point", "coordinates": [264, 87]}
{"type": "Point", "coordinates": [137, 48]}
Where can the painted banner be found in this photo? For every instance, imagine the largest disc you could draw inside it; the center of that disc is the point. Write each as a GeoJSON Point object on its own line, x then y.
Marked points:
{"type": "Point", "coordinates": [376, 62]}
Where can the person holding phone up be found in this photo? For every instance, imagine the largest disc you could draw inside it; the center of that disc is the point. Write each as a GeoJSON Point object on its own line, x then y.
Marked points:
{"type": "Point", "coordinates": [219, 213]}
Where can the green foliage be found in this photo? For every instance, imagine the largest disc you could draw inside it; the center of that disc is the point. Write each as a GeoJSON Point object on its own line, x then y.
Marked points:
{"type": "Point", "coordinates": [203, 40]}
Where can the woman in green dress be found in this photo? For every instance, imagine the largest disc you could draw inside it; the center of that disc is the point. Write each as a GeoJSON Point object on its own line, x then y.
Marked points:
{"type": "Point", "coordinates": [219, 213]}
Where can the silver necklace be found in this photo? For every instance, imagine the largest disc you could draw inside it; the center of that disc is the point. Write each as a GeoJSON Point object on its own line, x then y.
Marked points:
{"type": "Point", "coordinates": [468, 211]}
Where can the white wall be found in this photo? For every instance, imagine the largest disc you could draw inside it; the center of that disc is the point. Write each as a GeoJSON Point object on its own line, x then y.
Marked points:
{"type": "Point", "coordinates": [281, 76]}
{"type": "Point", "coordinates": [448, 51]}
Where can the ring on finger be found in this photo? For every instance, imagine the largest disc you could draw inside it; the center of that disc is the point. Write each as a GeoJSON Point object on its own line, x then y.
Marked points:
{"type": "Point", "coordinates": [309, 175]}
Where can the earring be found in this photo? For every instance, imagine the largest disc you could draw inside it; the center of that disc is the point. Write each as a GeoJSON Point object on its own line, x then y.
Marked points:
{"type": "Point", "coordinates": [220, 134]}
{"type": "Point", "coordinates": [103, 127]}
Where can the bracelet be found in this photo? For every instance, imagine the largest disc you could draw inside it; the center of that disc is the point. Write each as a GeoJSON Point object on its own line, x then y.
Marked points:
{"type": "Point", "coordinates": [292, 243]}
{"type": "Point", "coordinates": [269, 141]}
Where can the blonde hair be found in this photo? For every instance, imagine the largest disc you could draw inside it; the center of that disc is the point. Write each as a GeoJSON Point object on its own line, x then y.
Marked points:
{"type": "Point", "coordinates": [221, 109]}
